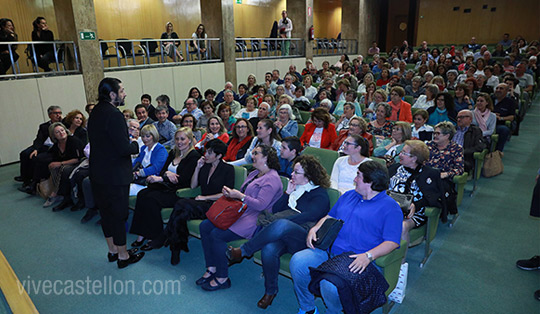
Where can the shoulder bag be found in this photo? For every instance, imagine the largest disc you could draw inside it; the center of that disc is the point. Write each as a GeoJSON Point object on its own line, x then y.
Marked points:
{"type": "Point", "coordinates": [327, 233]}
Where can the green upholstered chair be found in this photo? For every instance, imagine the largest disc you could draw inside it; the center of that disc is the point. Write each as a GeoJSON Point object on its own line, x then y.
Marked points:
{"type": "Point", "coordinates": [427, 232]}
{"type": "Point", "coordinates": [391, 265]}
{"type": "Point", "coordinates": [301, 128]}
{"type": "Point", "coordinates": [305, 115]}
{"type": "Point", "coordinates": [327, 157]}
{"type": "Point", "coordinates": [240, 174]}
{"type": "Point", "coordinates": [460, 182]}
{"type": "Point", "coordinates": [494, 141]}
{"type": "Point", "coordinates": [478, 164]}
{"type": "Point", "coordinates": [410, 100]}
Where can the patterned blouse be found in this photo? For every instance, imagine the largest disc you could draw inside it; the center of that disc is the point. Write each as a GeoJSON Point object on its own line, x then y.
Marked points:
{"type": "Point", "coordinates": [385, 130]}
{"type": "Point", "coordinates": [449, 159]}
{"type": "Point", "coordinates": [397, 184]}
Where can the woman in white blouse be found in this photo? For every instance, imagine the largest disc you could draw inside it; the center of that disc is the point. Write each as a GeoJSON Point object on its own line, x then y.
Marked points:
{"type": "Point", "coordinates": [356, 148]}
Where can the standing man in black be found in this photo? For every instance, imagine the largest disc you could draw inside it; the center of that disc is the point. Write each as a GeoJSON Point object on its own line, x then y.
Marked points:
{"type": "Point", "coordinates": [111, 173]}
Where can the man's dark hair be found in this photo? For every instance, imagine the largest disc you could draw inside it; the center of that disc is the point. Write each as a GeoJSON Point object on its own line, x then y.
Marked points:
{"type": "Point", "coordinates": [164, 99]}
{"type": "Point", "coordinates": [376, 174]}
{"type": "Point", "coordinates": [293, 142]}
{"type": "Point", "coordinates": [146, 96]}
{"type": "Point", "coordinates": [209, 92]}
{"type": "Point", "coordinates": [106, 86]}
{"type": "Point", "coordinates": [139, 106]}
{"type": "Point", "coordinates": [217, 146]}
{"type": "Point", "coordinates": [244, 86]}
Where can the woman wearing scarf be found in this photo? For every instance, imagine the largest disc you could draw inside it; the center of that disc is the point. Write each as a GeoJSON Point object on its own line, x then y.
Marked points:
{"type": "Point", "coordinates": [284, 230]}
{"type": "Point", "coordinates": [483, 115]}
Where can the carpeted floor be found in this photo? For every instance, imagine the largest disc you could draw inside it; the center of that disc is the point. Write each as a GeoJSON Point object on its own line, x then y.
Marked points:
{"type": "Point", "coordinates": [63, 264]}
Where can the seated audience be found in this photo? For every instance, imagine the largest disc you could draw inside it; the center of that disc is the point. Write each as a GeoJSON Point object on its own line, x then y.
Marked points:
{"type": "Point", "coordinates": [310, 91]}
{"type": "Point", "coordinates": [161, 191]}
{"type": "Point", "coordinates": [416, 89]}
{"type": "Point", "coordinates": [240, 140]}
{"type": "Point", "coordinates": [285, 228]}
{"type": "Point", "coordinates": [164, 100]}
{"type": "Point", "coordinates": [208, 112]}
{"type": "Point", "coordinates": [259, 192]}
{"type": "Point", "coordinates": [401, 110]}
{"type": "Point", "coordinates": [191, 108]}
{"type": "Point", "coordinates": [262, 113]}
{"type": "Point", "coordinates": [385, 78]}
{"type": "Point", "coordinates": [350, 97]}
{"type": "Point", "coordinates": [212, 175]}
{"type": "Point", "coordinates": [443, 110]}
{"type": "Point", "coordinates": [172, 48]}
{"type": "Point", "coordinates": [505, 110]}
{"type": "Point", "coordinates": [7, 33]}
{"type": "Point", "coordinates": [166, 128]}
{"type": "Point", "coordinates": [412, 176]}
{"type": "Point", "coordinates": [150, 161]}
{"type": "Point", "coordinates": [229, 99]}
{"type": "Point", "coordinates": [66, 153]}
{"type": "Point", "coordinates": [188, 120]}
{"type": "Point", "coordinates": [44, 52]}
{"type": "Point", "coordinates": [357, 126]}
{"type": "Point", "coordinates": [378, 235]}
{"type": "Point", "coordinates": [290, 149]}
{"type": "Point", "coordinates": [379, 96]}
{"type": "Point", "coordinates": [483, 115]}
{"type": "Point", "coordinates": [128, 114]}
{"type": "Point", "coordinates": [250, 111]}
{"type": "Point", "coordinates": [390, 148]}
{"type": "Point", "coordinates": [194, 93]}
{"type": "Point", "coordinates": [427, 100]}
{"type": "Point", "coordinates": [348, 113]}
{"type": "Point", "coordinates": [267, 135]}
{"type": "Point", "coordinates": [356, 149]}
{"type": "Point", "coordinates": [225, 114]}
{"type": "Point", "coordinates": [469, 136]}
{"type": "Point", "coordinates": [221, 96]}
{"type": "Point", "coordinates": [381, 127]}
{"type": "Point", "coordinates": [243, 94]}
{"type": "Point", "coordinates": [419, 129]}
{"type": "Point", "coordinates": [447, 156]}
{"type": "Point", "coordinates": [142, 115]}
{"type": "Point", "coordinates": [285, 122]}
{"type": "Point", "coordinates": [319, 132]}
{"type": "Point", "coordinates": [216, 130]}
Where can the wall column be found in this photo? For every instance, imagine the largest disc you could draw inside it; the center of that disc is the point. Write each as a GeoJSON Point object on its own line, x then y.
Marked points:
{"type": "Point", "coordinates": [218, 19]}
{"type": "Point", "coordinates": [301, 14]}
{"type": "Point", "coordinates": [359, 21]}
{"type": "Point", "coordinates": [73, 16]}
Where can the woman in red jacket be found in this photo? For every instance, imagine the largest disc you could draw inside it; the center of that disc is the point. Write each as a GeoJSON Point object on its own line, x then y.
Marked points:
{"type": "Point", "coordinates": [401, 110]}
{"type": "Point", "coordinates": [320, 132]}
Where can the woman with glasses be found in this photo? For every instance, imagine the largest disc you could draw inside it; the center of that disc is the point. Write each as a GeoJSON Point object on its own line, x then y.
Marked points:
{"type": "Point", "coordinates": [344, 171]}
{"type": "Point", "coordinates": [447, 156]}
{"type": "Point", "coordinates": [411, 176]}
{"type": "Point", "coordinates": [267, 135]}
{"type": "Point", "coordinates": [390, 148]}
{"type": "Point", "coordinates": [241, 138]}
{"type": "Point", "coordinates": [357, 126]}
{"type": "Point", "coordinates": [284, 230]}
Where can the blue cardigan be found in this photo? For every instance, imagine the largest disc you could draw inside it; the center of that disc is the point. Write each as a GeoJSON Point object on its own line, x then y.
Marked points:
{"type": "Point", "coordinates": [157, 160]}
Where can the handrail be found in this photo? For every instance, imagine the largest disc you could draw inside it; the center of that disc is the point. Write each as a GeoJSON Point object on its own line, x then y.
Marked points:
{"type": "Point", "coordinates": [328, 47]}
{"type": "Point", "coordinates": [60, 52]}
{"type": "Point", "coordinates": [266, 48]}
{"type": "Point", "coordinates": [183, 50]}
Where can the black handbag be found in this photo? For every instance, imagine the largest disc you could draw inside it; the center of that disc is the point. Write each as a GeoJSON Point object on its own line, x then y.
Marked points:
{"type": "Point", "coordinates": [327, 233]}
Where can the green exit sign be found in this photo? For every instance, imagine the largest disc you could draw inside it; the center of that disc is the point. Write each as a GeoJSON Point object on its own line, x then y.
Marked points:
{"type": "Point", "coordinates": [87, 35]}
{"type": "Point", "coordinates": [238, 1]}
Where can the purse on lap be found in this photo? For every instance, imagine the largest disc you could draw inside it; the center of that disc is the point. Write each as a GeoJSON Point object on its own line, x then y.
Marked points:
{"type": "Point", "coordinates": [327, 233]}
{"type": "Point", "coordinates": [225, 212]}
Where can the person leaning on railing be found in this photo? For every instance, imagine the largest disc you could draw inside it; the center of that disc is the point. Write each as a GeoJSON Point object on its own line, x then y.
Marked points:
{"type": "Point", "coordinates": [7, 33]}
{"type": "Point", "coordinates": [44, 52]}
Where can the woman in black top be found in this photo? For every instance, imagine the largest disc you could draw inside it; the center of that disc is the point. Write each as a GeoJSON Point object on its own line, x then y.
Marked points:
{"type": "Point", "coordinates": [7, 33]}
{"type": "Point", "coordinates": [211, 174]}
{"type": "Point", "coordinates": [161, 191]}
{"type": "Point", "coordinates": [44, 52]}
{"type": "Point", "coordinates": [76, 121]}
{"type": "Point", "coordinates": [168, 45]}
{"type": "Point", "coordinates": [66, 153]}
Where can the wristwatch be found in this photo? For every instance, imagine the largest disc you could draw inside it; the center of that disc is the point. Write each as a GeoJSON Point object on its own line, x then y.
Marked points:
{"type": "Point", "coordinates": [369, 256]}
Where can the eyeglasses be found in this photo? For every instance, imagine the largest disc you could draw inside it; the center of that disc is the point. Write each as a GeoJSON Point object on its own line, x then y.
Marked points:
{"type": "Point", "coordinates": [56, 112]}
{"type": "Point", "coordinates": [438, 133]}
{"type": "Point", "coordinates": [241, 126]}
{"type": "Point", "coordinates": [354, 125]}
{"type": "Point", "coordinates": [296, 172]}
{"type": "Point", "coordinates": [406, 154]}
{"type": "Point", "coordinates": [255, 153]}
{"type": "Point", "coordinates": [462, 117]}
{"type": "Point", "coordinates": [348, 143]}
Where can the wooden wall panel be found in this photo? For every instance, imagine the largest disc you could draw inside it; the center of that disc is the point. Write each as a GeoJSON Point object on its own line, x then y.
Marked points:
{"type": "Point", "coordinates": [255, 18]}
{"type": "Point", "coordinates": [327, 18]}
{"type": "Point", "coordinates": [438, 23]}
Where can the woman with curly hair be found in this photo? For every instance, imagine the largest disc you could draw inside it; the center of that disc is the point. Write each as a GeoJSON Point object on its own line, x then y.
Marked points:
{"type": "Point", "coordinates": [284, 230]}
{"type": "Point", "coordinates": [75, 121]}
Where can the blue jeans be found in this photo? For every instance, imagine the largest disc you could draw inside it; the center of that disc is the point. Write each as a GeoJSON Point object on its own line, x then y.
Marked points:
{"type": "Point", "coordinates": [504, 133]}
{"type": "Point", "coordinates": [214, 243]}
{"type": "Point", "coordinates": [280, 237]}
{"type": "Point", "coordinates": [299, 266]}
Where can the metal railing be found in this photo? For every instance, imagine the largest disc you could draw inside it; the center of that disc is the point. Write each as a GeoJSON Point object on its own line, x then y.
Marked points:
{"type": "Point", "coordinates": [327, 47]}
{"type": "Point", "coordinates": [129, 53]}
{"type": "Point", "coordinates": [266, 48]}
{"type": "Point", "coordinates": [63, 51]}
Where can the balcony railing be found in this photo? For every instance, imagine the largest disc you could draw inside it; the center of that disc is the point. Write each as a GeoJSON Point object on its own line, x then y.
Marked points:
{"type": "Point", "coordinates": [267, 48]}
{"type": "Point", "coordinates": [148, 52]}
{"type": "Point", "coordinates": [328, 47]}
{"type": "Point", "coordinates": [64, 52]}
